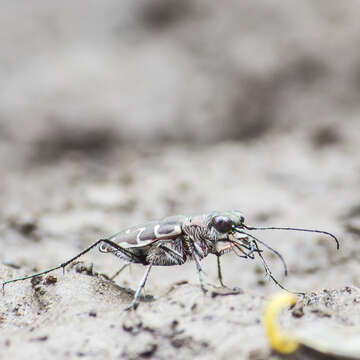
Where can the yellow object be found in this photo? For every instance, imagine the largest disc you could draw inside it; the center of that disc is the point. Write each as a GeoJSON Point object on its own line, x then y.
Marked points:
{"type": "Point", "coordinates": [281, 341]}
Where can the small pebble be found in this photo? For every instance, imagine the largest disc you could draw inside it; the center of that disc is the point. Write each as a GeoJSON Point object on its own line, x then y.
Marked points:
{"type": "Point", "coordinates": [50, 279]}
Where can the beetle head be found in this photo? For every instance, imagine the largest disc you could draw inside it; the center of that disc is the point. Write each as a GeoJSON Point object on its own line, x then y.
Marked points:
{"type": "Point", "coordinates": [226, 222]}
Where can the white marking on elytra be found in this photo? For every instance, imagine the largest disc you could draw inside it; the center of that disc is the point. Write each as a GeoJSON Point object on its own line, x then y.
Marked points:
{"type": "Point", "coordinates": [176, 231]}
{"type": "Point", "coordinates": [128, 231]}
{"type": "Point", "coordinates": [103, 247]}
{"type": "Point", "coordinates": [140, 231]}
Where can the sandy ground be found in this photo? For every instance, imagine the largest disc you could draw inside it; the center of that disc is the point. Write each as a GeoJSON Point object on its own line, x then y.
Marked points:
{"type": "Point", "coordinates": [55, 211]}
{"type": "Point", "coordinates": [113, 116]}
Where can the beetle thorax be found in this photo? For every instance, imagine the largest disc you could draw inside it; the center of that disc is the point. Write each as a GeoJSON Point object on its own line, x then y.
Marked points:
{"type": "Point", "coordinates": [214, 235]}
{"type": "Point", "coordinates": [199, 235]}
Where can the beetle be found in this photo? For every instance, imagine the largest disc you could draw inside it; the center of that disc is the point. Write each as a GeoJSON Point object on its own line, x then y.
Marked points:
{"type": "Point", "coordinates": [176, 239]}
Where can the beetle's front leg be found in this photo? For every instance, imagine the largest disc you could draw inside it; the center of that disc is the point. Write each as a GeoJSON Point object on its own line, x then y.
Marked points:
{"type": "Point", "coordinates": [221, 252]}
{"type": "Point", "coordinates": [232, 247]}
{"type": "Point", "coordinates": [220, 277]}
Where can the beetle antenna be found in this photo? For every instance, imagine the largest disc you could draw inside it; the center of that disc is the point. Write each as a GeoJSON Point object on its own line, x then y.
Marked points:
{"type": "Point", "coordinates": [267, 246]}
{"type": "Point", "coordinates": [295, 229]}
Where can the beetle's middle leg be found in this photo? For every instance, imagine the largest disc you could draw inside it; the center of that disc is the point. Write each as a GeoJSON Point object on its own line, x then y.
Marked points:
{"type": "Point", "coordinates": [133, 304]}
{"type": "Point", "coordinates": [158, 255]}
{"type": "Point", "coordinates": [200, 271]}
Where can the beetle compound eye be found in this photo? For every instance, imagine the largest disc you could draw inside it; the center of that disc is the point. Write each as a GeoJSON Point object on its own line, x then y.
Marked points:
{"type": "Point", "coordinates": [222, 224]}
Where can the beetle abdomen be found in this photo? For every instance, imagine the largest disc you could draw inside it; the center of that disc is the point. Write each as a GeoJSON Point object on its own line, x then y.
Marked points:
{"type": "Point", "coordinates": [167, 252]}
{"type": "Point", "coordinates": [138, 240]}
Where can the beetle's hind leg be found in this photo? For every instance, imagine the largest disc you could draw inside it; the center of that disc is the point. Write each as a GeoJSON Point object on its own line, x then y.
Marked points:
{"type": "Point", "coordinates": [66, 263]}
{"type": "Point", "coordinates": [120, 270]}
{"type": "Point", "coordinates": [124, 253]}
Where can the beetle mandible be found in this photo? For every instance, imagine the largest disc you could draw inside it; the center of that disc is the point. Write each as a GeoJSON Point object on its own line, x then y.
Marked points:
{"type": "Point", "coordinates": [176, 239]}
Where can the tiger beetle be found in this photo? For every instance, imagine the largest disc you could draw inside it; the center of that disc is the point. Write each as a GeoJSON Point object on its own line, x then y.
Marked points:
{"type": "Point", "coordinates": [176, 239]}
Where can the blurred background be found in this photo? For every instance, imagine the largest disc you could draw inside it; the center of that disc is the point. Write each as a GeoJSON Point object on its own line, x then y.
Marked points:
{"type": "Point", "coordinates": [117, 112]}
